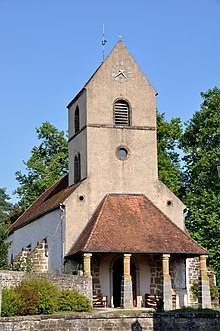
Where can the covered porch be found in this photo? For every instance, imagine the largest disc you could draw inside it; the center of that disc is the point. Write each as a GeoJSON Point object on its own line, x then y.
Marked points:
{"type": "Point", "coordinates": [131, 249]}
{"type": "Point", "coordinates": [135, 280]}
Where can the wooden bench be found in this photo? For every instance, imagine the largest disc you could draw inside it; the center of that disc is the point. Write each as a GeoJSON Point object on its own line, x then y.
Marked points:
{"type": "Point", "coordinates": [100, 300]}
{"type": "Point", "coordinates": [173, 299]}
{"type": "Point", "coordinates": [152, 300]}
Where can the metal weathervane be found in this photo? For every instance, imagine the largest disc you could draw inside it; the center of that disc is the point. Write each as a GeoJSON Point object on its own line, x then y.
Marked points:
{"type": "Point", "coordinates": [104, 41]}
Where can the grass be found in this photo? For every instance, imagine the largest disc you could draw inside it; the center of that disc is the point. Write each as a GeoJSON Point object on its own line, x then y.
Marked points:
{"type": "Point", "coordinates": [195, 310]}
{"type": "Point", "coordinates": [121, 311]}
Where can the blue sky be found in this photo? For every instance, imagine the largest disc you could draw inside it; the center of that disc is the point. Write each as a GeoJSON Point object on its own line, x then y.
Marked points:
{"type": "Point", "coordinates": [49, 49]}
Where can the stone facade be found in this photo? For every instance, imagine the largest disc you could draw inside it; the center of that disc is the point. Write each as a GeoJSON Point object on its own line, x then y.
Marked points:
{"type": "Point", "coordinates": [114, 322]}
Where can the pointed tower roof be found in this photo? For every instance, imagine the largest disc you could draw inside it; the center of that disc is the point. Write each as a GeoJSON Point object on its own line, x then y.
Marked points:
{"type": "Point", "coordinates": [118, 54]}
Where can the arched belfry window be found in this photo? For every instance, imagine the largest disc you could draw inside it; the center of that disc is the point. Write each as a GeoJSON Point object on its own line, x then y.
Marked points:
{"type": "Point", "coordinates": [77, 168]}
{"type": "Point", "coordinates": [121, 113]}
{"type": "Point", "coordinates": [76, 120]}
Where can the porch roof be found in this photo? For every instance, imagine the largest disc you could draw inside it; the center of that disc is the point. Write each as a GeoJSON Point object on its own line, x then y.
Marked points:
{"type": "Point", "coordinates": [133, 224]}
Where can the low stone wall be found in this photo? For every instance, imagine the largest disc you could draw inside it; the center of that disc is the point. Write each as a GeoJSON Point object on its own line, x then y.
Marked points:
{"type": "Point", "coordinates": [114, 322]}
{"type": "Point", "coordinates": [82, 284]}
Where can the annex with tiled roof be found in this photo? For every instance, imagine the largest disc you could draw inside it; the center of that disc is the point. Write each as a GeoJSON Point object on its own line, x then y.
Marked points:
{"type": "Point", "coordinates": [133, 224]}
{"type": "Point", "coordinates": [48, 201]}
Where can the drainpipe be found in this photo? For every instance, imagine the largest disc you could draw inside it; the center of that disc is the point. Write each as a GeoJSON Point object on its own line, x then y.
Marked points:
{"type": "Point", "coordinates": [62, 218]}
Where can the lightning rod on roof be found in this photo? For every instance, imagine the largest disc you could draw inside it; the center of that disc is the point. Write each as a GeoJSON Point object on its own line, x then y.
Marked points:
{"type": "Point", "coordinates": [104, 41]}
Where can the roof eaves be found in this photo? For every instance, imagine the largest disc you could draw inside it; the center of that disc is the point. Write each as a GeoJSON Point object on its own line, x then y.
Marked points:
{"type": "Point", "coordinates": [138, 253]}
{"type": "Point", "coordinates": [76, 97]}
{"type": "Point", "coordinates": [177, 227]}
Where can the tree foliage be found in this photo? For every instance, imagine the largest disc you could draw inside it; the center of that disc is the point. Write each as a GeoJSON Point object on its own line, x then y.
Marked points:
{"type": "Point", "coordinates": [48, 162]}
{"type": "Point", "coordinates": [168, 140]}
{"type": "Point", "coordinates": [201, 145]}
{"type": "Point", "coordinates": [5, 208]}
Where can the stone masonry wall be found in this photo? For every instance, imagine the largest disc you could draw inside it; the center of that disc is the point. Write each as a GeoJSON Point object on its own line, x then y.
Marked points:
{"type": "Point", "coordinates": [96, 287]}
{"type": "Point", "coordinates": [81, 284]}
{"type": "Point", "coordinates": [114, 322]}
{"type": "Point", "coordinates": [194, 273]}
{"type": "Point", "coordinates": [156, 285]}
{"type": "Point", "coordinates": [39, 257]}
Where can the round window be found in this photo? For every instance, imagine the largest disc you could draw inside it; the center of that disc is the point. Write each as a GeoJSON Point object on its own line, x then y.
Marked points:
{"type": "Point", "coordinates": [122, 153]}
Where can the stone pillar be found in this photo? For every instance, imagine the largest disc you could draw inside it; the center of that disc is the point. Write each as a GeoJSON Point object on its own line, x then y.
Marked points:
{"type": "Point", "coordinates": [204, 298]}
{"type": "Point", "coordinates": [87, 264]}
{"type": "Point", "coordinates": [167, 291]}
{"type": "Point", "coordinates": [126, 285]}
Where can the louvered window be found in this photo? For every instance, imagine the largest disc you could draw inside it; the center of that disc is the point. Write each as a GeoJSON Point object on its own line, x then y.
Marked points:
{"type": "Point", "coordinates": [121, 113]}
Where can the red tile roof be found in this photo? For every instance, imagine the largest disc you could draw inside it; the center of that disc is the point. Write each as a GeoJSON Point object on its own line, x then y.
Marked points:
{"type": "Point", "coordinates": [133, 224]}
{"type": "Point", "coordinates": [48, 201]}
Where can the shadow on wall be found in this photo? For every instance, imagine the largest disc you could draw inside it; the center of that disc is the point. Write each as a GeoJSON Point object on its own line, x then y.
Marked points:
{"type": "Point", "coordinates": [136, 326]}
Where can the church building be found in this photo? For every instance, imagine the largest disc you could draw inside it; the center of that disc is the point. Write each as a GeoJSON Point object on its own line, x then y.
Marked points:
{"type": "Point", "coordinates": [110, 217]}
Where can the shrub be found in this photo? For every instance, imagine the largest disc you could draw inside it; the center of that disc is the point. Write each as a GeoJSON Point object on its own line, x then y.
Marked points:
{"type": "Point", "coordinates": [10, 302]}
{"type": "Point", "coordinates": [213, 291]}
{"type": "Point", "coordinates": [194, 289]}
{"type": "Point", "coordinates": [30, 299]}
{"type": "Point", "coordinates": [21, 263]}
{"type": "Point", "coordinates": [71, 300]}
{"type": "Point", "coordinates": [40, 294]}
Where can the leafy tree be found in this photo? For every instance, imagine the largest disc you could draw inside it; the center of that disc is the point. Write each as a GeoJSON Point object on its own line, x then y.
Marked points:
{"type": "Point", "coordinates": [15, 212]}
{"type": "Point", "coordinates": [48, 162]}
{"type": "Point", "coordinates": [168, 140]}
{"type": "Point", "coordinates": [5, 207]}
{"type": "Point", "coordinates": [201, 144]}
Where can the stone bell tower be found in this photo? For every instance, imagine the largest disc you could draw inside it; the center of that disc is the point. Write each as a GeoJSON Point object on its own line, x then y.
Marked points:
{"type": "Point", "coordinates": [112, 140]}
{"type": "Point", "coordinates": [112, 128]}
